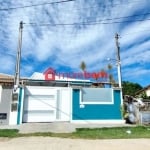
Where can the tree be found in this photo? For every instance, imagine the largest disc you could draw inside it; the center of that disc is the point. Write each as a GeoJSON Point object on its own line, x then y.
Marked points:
{"type": "Point", "coordinates": [130, 88]}
{"type": "Point", "coordinates": [109, 67]}
{"type": "Point", "coordinates": [83, 66]}
{"type": "Point", "coordinates": [110, 76]}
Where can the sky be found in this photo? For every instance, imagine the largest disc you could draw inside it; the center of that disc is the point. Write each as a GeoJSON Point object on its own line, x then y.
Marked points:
{"type": "Point", "coordinates": [62, 35]}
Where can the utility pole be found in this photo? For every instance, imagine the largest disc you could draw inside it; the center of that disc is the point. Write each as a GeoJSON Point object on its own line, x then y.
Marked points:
{"type": "Point", "coordinates": [118, 60]}
{"type": "Point", "coordinates": [17, 71]}
{"type": "Point", "coordinates": [119, 66]}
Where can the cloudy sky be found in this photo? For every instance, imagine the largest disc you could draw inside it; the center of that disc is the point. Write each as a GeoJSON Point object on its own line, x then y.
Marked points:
{"type": "Point", "coordinates": [61, 35]}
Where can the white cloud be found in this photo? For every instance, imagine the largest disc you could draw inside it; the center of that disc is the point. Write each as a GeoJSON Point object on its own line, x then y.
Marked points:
{"type": "Point", "coordinates": [7, 64]}
{"type": "Point", "coordinates": [137, 54]}
{"type": "Point", "coordinates": [67, 46]}
{"type": "Point", "coordinates": [135, 73]}
{"type": "Point", "coordinates": [135, 32]}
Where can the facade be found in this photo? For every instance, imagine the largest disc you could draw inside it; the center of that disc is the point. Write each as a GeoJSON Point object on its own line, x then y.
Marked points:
{"type": "Point", "coordinates": [145, 90]}
{"type": "Point", "coordinates": [43, 99]}
{"type": "Point", "coordinates": [6, 84]}
{"type": "Point", "coordinates": [5, 100]}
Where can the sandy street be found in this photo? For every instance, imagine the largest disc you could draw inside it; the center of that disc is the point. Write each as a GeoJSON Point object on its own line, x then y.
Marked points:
{"type": "Point", "coordinates": [48, 143]}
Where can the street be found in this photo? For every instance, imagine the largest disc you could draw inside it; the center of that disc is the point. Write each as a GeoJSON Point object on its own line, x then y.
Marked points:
{"type": "Point", "coordinates": [50, 143]}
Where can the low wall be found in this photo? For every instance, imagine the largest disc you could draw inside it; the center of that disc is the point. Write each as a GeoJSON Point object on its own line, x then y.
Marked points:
{"type": "Point", "coordinates": [102, 110]}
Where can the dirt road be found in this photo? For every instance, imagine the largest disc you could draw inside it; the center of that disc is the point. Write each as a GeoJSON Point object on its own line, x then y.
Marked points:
{"type": "Point", "coordinates": [48, 143]}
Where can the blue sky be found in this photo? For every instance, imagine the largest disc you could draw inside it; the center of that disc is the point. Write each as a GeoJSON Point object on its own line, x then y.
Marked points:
{"type": "Point", "coordinates": [63, 47]}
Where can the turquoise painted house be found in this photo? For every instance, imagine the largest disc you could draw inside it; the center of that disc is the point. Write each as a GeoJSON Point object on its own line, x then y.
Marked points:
{"type": "Point", "coordinates": [76, 104]}
{"type": "Point", "coordinates": [76, 101]}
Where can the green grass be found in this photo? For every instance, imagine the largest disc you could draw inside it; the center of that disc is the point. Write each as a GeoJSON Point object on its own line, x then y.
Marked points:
{"type": "Point", "coordinates": [86, 133]}
{"type": "Point", "coordinates": [114, 133]}
{"type": "Point", "coordinates": [9, 133]}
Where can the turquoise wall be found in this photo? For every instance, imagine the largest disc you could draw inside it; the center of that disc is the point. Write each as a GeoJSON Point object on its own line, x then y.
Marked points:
{"type": "Point", "coordinates": [19, 106]}
{"type": "Point", "coordinates": [96, 111]}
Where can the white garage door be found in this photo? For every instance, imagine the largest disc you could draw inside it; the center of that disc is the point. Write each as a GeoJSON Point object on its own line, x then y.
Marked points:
{"type": "Point", "coordinates": [39, 104]}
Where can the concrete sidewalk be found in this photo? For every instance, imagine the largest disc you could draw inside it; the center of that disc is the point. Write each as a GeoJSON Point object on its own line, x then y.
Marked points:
{"type": "Point", "coordinates": [57, 127]}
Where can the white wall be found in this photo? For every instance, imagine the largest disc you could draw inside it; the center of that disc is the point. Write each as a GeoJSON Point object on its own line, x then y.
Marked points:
{"type": "Point", "coordinates": [0, 93]}
{"type": "Point", "coordinates": [148, 92]}
{"type": "Point", "coordinates": [14, 114]}
{"type": "Point", "coordinates": [13, 118]}
{"type": "Point", "coordinates": [65, 104]}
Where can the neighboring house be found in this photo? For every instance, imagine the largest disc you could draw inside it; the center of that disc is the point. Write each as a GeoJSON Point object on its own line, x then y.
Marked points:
{"type": "Point", "coordinates": [6, 84]}
{"type": "Point", "coordinates": [145, 90]}
{"type": "Point", "coordinates": [5, 78]}
{"type": "Point", "coordinates": [6, 98]}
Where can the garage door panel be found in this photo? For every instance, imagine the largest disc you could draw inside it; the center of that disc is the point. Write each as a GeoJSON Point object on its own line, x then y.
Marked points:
{"type": "Point", "coordinates": [38, 107]}
{"type": "Point", "coordinates": [39, 116]}
{"type": "Point", "coordinates": [41, 97]}
{"type": "Point", "coordinates": [40, 104]}
{"type": "Point", "coordinates": [34, 90]}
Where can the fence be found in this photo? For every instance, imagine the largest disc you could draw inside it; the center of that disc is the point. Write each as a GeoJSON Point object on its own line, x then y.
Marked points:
{"type": "Point", "coordinates": [145, 114]}
{"type": "Point", "coordinates": [146, 107]}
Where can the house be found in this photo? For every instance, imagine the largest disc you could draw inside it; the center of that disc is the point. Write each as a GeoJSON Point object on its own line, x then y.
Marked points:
{"type": "Point", "coordinates": [7, 98]}
{"type": "Point", "coordinates": [6, 84]}
{"type": "Point", "coordinates": [47, 98]}
{"type": "Point", "coordinates": [145, 92]}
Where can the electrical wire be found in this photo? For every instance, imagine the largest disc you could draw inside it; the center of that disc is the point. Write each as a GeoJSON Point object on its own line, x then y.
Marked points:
{"type": "Point", "coordinates": [126, 17]}
{"type": "Point", "coordinates": [111, 5]}
{"type": "Point", "coordinates": [84, 23]}
{"type": "Point", "coordinates": [88, 18]}
{"type": "Point", "coordinates": [99, 21]}
{"type": "Point", "coordinates": [123, 17]}
{"type": "Point", "coordinates": [98, 5]}
{"type": "Point", "coordinates": [34, 5]}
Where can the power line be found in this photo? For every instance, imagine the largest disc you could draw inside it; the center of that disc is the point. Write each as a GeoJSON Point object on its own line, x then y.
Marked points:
{"type": "Point", "coordinates": [98, 21]}
{"type": "Point", "coordinates": [83, 8]}
{"type": "Point", "coordinates": [124, 17]}
{"type": "Point", "coordinates": [109, 19]}
{"type": "Point", "coordinates": [91, 22]}
{"type": "Point", "coordinates": [34, 5]}
{"type": "Point", "coordinates": [84, 23]}
{"type": "Point", "coordinates": [148, 13]}
{"type": "Point", "coordinates": [112, 5]}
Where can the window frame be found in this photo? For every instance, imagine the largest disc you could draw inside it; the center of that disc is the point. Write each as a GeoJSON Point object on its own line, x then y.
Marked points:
{"type": "Point", "coordinates": [96, 102]}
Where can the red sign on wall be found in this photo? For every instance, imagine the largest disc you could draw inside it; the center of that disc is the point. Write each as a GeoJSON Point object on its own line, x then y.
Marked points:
{"type": "Point", "coordinates": [49, 74]}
